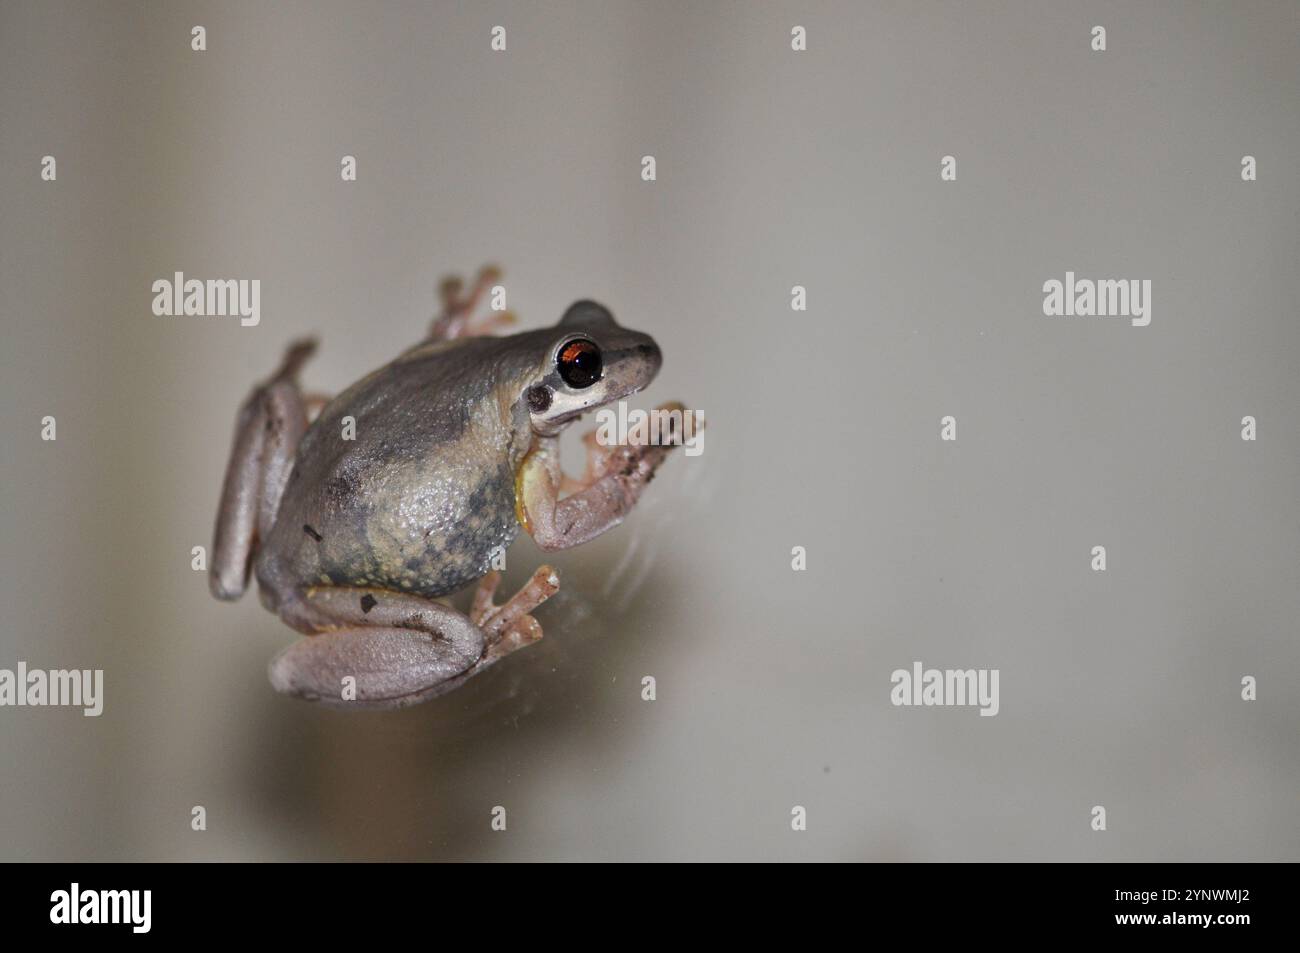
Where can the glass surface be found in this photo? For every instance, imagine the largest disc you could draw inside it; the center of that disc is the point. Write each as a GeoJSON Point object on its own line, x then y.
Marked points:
{"type": "Point", "coordinates": [774, 169]}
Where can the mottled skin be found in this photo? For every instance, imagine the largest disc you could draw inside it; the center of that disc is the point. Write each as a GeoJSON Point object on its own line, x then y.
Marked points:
{"type": "Point", "coordinates": [456, 444]}
{"type": "Point", "coordinates": [426, 492]}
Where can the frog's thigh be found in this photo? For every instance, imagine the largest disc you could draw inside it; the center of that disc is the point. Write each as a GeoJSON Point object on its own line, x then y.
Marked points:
{"type": "Point", "coordinates": [397, 648]}
{"type": "Point", "coordinates": [369, 667]}
{"type": "Point", "coordinates": [270, 427]}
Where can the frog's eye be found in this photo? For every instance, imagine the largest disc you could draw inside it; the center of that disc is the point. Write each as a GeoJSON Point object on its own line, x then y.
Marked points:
{"type": "Point", "coordinates": [579, 363]}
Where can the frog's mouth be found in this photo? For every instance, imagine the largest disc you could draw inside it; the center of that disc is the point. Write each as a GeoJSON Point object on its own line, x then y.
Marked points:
{"type": "Point", "coordinates": [613, 403]}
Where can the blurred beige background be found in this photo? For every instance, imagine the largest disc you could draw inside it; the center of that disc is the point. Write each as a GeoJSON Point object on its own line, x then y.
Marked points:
{"type": "Point", "coordinates": [775, 169]}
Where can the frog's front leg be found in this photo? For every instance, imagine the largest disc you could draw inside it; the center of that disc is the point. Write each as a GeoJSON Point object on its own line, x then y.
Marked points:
{"type": "Point", "coordinates": [271, 423]}
{"type": "Point", "coordinates": [457, 319]}
{"type": "Point", "coordinates": [400, 649]}
{"type": "Point", "coordinates": [604, 495]}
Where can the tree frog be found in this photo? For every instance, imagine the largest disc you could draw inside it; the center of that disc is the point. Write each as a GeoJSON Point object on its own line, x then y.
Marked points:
{"type": "Point", "coordinates": [401, 489]}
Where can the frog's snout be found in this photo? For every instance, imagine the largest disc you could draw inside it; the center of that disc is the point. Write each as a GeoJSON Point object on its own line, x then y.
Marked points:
{"type": "Point", "coordinates": [639, 364]}
{"type": "Point", "coordinates": [653, 357]}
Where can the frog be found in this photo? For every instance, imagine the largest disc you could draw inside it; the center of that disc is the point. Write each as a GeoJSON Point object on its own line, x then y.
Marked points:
{"type": "Point", "coordinates": [362, 515]}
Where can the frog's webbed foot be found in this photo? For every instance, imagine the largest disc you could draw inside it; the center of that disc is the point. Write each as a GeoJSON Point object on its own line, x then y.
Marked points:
{"type": "Point", "coordinates": [598, 501]}
{"type": "Point", "coordinates": [271, 423]}
{"type": "Point", "coordinates": [458, 317]}
{"type": "Point", "coordinates": [375, 648]}
{"type": "Point", "coordinates": [510, 626]}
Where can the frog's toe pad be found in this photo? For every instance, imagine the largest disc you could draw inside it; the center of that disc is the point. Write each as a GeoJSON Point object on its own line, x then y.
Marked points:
{"type": "Point", "coordinates": [369, 667]}
{"type": "Point", "coordinates": [523, 631]}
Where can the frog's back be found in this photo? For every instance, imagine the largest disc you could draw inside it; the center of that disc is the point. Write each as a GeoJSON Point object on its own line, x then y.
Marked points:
{"type": "Point", "coordinates": [421, 496]}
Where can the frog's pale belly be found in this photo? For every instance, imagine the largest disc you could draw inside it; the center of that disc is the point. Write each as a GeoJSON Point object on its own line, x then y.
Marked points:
{"type": "Point", "coordinates": [441, 536]}
{"type": "Point", "coordinates": [415, 495]}
{"type": "Point", "coordinates": [431, 531]}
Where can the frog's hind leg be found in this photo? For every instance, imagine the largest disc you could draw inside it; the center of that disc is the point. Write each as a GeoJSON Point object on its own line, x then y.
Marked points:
{"type": "Point", "coordinates": [375, 648]}
{"type": "Point", "coordinates": [270, 425]}
{"type": "Point", "coordinates": [458, 319]}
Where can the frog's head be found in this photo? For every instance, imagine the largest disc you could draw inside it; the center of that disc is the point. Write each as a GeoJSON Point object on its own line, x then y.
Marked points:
{"type": "Point", "coordinates": [590, 362]}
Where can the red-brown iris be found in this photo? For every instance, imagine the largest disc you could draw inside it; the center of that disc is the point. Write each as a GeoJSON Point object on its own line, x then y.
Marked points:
{"type": "Point", "coordinates": [580, 364]}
